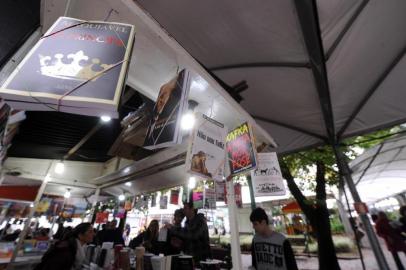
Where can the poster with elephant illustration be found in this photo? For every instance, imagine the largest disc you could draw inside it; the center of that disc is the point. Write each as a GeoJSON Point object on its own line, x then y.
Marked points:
{"type": "Point", "coordinates": [206, 154]}
{"type": "Point", "coordinates": [267, 178]}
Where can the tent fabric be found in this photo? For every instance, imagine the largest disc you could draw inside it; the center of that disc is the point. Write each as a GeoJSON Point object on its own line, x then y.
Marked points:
{"type": "Point", "coordinates": [380, 172]}
{"type": "Point", "coordinates": [263, 43]}
{"type": "Point", "coordinates": [292, 208]}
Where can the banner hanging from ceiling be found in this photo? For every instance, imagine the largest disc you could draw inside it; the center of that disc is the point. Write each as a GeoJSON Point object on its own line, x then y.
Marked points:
{"type": "Point", "coordinates": [241, 152]}
{"type": "Point", "coordinates": [77, 67]}
{"type": "Point", "coordinates": [172, 102]}
{"type": "Point", "coordinates": [267, 179]}
{"type": "Point", "coordinates": [206, 153]}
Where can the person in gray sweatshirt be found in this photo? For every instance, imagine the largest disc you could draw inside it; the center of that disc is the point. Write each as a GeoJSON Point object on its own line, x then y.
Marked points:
{"type": "Point", "coordinates": [270, 250]}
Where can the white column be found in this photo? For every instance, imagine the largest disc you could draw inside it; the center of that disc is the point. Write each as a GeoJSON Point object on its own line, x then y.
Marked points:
{"type": "Point", "coordinates": [234, 231]}
{"type": "Point", "coordinates": [23, 234]}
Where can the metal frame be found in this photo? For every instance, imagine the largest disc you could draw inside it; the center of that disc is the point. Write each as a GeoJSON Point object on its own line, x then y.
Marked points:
{"type": "Point", "coordinates": [262, 64]}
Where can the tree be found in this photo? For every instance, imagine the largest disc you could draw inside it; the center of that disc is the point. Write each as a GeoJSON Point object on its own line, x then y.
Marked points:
{"type": "Point", "coordinates": [322, 160]}
{"type": "Point", "coordinates": [316, 210]}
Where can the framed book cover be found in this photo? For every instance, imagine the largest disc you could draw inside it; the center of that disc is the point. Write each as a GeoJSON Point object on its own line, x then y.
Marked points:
{"type": "Point", "coordinates": [77, 66]}
{"type": "Point", "coordinates": [267, 179]}
{"type": "Point", "coordinates": [206, 153]}
{"type": "Point", "coordinates": [241, 153]}
{"type": "Point", "coordinates": [220, 188]}
{"type": "Point", "coordinates": [163, 202]}
{"type": "Point", "coordinates": [164, 125]}
{"type": "Point", "coordinates": [209, 198]}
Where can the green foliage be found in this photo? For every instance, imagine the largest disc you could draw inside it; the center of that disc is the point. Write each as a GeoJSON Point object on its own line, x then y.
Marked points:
{"type": "Point", "coordinates": [342, 244]}
{"type": "Point", "coordinates": [336, 226]}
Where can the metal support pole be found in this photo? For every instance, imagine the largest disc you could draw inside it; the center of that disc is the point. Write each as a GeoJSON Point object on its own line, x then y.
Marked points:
{"type": "Point", "coordinates": [252, 195]}
{"type": "Point", "coordinates": [96, 198]}
{"type": "Point", "coordinates": [23, 234]}
{"type": "Point", "coordinates": [234, 231]}
{"type": "Point", "coordinates": [346, 173]}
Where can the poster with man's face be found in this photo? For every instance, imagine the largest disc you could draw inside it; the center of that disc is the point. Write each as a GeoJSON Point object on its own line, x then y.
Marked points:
{"type": "Point", "coordinates": [163, 130]}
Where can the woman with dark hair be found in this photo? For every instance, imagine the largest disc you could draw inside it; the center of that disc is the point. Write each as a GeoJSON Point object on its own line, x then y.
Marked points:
{"type": "Point", "coordinates": [68, 254]}
{"type": "Point", "coordinates": [148, 238]}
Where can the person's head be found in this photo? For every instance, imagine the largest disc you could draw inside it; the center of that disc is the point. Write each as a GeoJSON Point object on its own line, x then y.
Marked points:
{"type": "Point", "coordinates": [153, 227]}
{"type": "Point", "coordinates": [259, 220]}
{"type": "Point", "coordinates": [83, 232]}
{"type": "Point", "coordinates": [113, 224]}
{"type": "Point", "coordinates": [164, 95]}
{"type": "Point", "coordinates": [189, 209]}
{"type": "Point", "coordinates": [402, 211]}
{"type": "Point", "coordinates": [178, 216]}
{"type": "Point", "coordinates": [382, 215]}
{"type": "Point", "coordinates": [374, 217]}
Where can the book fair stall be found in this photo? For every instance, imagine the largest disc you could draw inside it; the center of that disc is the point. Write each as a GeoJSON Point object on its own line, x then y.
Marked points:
{"type": "Point", "coordinates": [186, 143]}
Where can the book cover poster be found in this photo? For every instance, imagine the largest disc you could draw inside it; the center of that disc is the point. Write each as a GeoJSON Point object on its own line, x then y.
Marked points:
{"type": "Point", "coordinates": [164, 125]}
{"type": "Point", "coordinates": [76, 63]}
{"type": "Point", "coordinates": [237, 195]}
{"type": "Point", "coordinates": [198, 197]}
{"type": "Point", "coordinates": [174, 198]}
{"type": "Point", "coordinates": [206, 153]}
{"type": "Point", "coordinates": [220, 191]}
{"type": "Point", "coordinates": [241, 152]}
{"type": "Point", "coordinates": [153, 200]}
{"type": "Point", "coordinates": [163, 202]}
{"type": "Point", "coordinates": [102, 217]}
{"type": "Point", "coordinates": [209, 198]}
{"type": "Point", "coordinates": [267, 178]}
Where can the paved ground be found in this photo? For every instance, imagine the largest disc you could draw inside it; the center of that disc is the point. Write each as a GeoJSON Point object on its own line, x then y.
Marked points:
{"type": "Point", "coordinates": [305, 263]}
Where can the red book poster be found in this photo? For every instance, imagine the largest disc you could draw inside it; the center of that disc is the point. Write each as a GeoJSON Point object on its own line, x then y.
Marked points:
{"type": "Point", "coordinates": [220, 191]}
{"type": "Point", "coordinates": [241, 152]}
{"type": "Point", "coordinates": [76, 67]}
{"type": "Point", "coordinates": [174, 199]}
{"type": "Point", "coordinates": [128, 205]}
{"type": "Point", "coordinates": [237, 195]}
{"type": "Point", "coordinates": [102, 217]}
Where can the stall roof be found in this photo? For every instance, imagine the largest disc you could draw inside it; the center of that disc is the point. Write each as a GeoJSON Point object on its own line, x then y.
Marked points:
{"type": "Point", "coordinates": [380, 172]}
{"type": "Point", "coordinates": [317, 71]}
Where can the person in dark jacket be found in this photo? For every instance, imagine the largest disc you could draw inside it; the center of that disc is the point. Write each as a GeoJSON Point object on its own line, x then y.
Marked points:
{"type": "Point", "coordinates": [68, 254]}
{"type": "Point", "coordinates": [110, 234]}
{"type": "Point", "coordinates": [148, 238]}
{"type": "Point", "coordinates": [402, 219]}
{"type": "Point", "coordinates": [174, 245]}
{"type": "Point", "coordinates": [195, 235]}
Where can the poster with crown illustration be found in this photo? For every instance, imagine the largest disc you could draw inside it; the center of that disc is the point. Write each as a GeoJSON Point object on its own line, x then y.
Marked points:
{"type": "Point", "coordinates": [77, 66]}
{"type": "Point", "coordinates": [206, 154]}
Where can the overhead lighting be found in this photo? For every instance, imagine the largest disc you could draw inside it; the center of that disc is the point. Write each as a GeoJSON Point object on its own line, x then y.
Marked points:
{"type": "Point", "coordinates": [105, 118]}
{"type": "Point", "coordinates": [188, 121]}
{"type": "Point", "coordinates": [192, 182]}
{"type": "Point", "coordinates": [199, 84]}
{"type": "Point", "coordinates": [67, 194]}
{"type": "Point", "coordinates": [121, 197]}
{"type": "Point", "coordinates": [127, 170]}
{"type": "Point", "coordinates": [128, 184]}
{"type": "Point", "coordinates": [60, 167]}
{"type": "Point", "coordinates": [31, 205]}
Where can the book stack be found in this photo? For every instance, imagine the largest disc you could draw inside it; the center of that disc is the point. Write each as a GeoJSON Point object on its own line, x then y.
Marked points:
{"type": "Point", "coordinates": [77, 67]}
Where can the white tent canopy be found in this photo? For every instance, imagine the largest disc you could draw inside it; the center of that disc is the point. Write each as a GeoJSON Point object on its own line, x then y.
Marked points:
{"type": "Point", "coordinates": [380, 172]}
{"type": "Point", "coordinates": [316, 74]}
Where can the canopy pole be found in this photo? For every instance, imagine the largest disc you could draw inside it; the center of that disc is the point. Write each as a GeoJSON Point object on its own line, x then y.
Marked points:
{"type": "Point", "coordinates": [346, 173]}
{"type": "Point", "coordinates": [252, 195]}
{"type": "Point", "coordinates": [96, 198]}
{"type": "Point", "coordinates": [24, 232]}
{"type": "Point", "coordinates": [234, 231]}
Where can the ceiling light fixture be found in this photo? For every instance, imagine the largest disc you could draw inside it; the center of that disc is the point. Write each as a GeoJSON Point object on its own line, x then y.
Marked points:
{"type": "Point", "coordinates": [60, 167]}
{"type": "Point", "coordinates": [105, 118]}
{"type": "Point", "coordinates": [67, 194]}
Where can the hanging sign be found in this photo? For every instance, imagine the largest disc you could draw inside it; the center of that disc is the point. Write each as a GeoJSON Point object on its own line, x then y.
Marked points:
{"type": "Point", "coordinates": [163, 202]}
{"type": "Point", "coordinates": [209, 198]}
{"type": "Point", "coordinates": [172, 102]}
{"type": "Point", "coordinates": [220, 191]}
{"type": "Point", "coordinates": [102, 217]}
{"type": "Point", "coordinates": [267, 179]}
{"type": "Point", "coordinates": [77, 67]}
{"type": "Point", "coordinates": [206, 153]}
{"type": "Point", "coordinates": [128, 205]}
{"type": "Point", "coordinates": [241, 151]}
{"type": "Point", "coordinates": [198, 197]}
{"type": "Point", "coordinates": [237, 195]}
{"type": "Point", "coordinates": [174, 199]}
